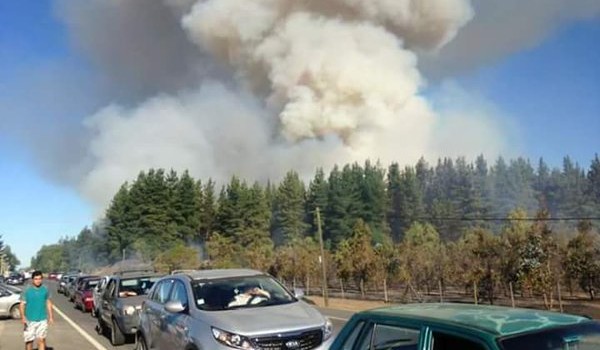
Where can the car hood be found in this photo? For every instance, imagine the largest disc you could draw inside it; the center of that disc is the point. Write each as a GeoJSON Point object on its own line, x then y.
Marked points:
{"type": "Point", "coordinates": [266, 319]}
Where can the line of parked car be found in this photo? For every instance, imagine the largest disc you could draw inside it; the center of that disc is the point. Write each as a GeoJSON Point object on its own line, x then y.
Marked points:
{"type": "Point", "coordinates": [204, 309]}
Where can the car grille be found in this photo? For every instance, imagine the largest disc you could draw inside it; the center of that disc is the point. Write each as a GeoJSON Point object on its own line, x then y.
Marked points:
{"type": "Point", "coordinates": [291, 341]}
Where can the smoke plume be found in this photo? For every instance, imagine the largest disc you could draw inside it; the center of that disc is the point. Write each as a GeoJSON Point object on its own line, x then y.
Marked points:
{"type": "Point", "coordinates": [501, 28]}
{"type": "Point", "coordinates": [255, 88]}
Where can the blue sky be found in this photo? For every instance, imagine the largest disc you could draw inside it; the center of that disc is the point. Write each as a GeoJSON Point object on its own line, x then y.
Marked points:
{"type": "Point", "coordinates": [553, 90]}
{"type": "Point", "coordinates": [52, 79]}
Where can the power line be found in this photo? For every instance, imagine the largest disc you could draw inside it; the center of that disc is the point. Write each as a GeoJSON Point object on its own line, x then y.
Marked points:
{"type": "Point", "coordinates": [447, 218]}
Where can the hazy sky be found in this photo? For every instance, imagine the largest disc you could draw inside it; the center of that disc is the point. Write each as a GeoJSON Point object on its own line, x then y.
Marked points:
{"type": "Point", "coordinates": [92, 92]}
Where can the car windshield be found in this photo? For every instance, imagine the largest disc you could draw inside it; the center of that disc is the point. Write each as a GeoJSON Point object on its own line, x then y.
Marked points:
{"type": "Point", "coordinates": [11, 288]}
{"type": "Point", "coordinates": [239, 292]}
{"type": "Point", "coordinates": [136, 285]}
{"type": "Point", "coordinates": [575, 337]}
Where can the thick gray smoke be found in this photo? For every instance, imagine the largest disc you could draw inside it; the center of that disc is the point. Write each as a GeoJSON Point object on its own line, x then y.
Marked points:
{"type": "Point", "coordinates": [256, 88]}
{"type": "Point", "coordinates": [500, 28]}
{"type": "Point", "coordinates": [310, 83]}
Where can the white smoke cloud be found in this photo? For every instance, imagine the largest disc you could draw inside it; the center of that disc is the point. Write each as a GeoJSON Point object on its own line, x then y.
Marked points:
{"type": "Point", "coordinates": [469, 119]}
{"type": "Point", "coordinates": [303, 84]}
{"type": "Point", "coordinates": [213, 131]}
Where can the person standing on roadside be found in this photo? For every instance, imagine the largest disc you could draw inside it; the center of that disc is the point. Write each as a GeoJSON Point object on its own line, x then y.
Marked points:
{"type": "Point", "coordinates": [36, 312]}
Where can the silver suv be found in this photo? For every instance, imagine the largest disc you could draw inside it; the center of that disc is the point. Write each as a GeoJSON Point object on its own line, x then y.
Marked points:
{"type": "Point", "coordinates": [228, 309]}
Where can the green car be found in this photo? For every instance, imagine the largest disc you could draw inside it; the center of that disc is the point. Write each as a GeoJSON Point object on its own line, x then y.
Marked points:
{"type": "Point", "coordinates": [447, 326]}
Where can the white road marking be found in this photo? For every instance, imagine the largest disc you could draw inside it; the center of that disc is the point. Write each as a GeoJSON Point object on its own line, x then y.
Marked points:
{"type": "Point", "coordinates": [83, 333]}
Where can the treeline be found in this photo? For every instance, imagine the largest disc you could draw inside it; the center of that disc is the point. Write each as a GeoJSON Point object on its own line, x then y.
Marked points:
{"type": "Point", "coordinates": [8, 260]}
{"type": "Point", "coordinates": [452, 223]}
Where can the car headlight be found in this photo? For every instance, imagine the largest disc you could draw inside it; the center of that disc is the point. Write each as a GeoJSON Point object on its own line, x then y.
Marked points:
{"type": "Point", "coordinates": [232, 340]}
{"type": "Point", "coordinates": [128, 310]}
{"type": "Point", "coordinates": [327, 329]}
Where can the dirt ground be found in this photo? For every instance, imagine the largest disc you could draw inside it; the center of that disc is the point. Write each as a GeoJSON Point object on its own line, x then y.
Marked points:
{"type": "Point", "coordinates": [346, 304]}
{"type": "Point", "coordinates": [589, 309]}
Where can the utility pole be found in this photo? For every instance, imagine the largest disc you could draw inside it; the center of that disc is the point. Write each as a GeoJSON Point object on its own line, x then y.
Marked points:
{"type": "Point", "coordinates": [323, 262]}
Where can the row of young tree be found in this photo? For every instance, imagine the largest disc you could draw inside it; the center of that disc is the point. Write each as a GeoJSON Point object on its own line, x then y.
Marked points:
{"type": "Point", "coordinates": [272, 226]}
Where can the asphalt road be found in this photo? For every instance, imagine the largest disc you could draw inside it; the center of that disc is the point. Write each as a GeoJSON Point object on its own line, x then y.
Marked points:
{"type": "Point", "coordinates": [74, 330]}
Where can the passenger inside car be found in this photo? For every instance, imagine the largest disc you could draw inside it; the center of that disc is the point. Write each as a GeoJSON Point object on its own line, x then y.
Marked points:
{"type": "Point", "coordinates": [250, 295]}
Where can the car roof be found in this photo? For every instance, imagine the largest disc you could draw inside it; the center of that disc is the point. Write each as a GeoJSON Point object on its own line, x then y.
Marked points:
{"type": "Point", "coordinates": [126, 276]}
{"type": "Point", "coordinates": [222, 273]}
{"type": "Point", "coordinates": [496, 320]}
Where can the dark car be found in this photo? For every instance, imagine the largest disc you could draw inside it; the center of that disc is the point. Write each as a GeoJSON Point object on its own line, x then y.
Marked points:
{"type": "Point", "coordinates": [15, 278]}
{"type": "Point", "coordinates": [83, 297]}
{"type": "Point", "coordinates": [77, 283]}
{"type": "Point", "coordinates": [121, 301]}
{"type": "Point", "coordinates": [447, 326]}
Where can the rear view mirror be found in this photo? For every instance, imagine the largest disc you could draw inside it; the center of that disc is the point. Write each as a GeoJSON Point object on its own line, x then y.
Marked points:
{"type": "Point", "coordinates": [174, 307]}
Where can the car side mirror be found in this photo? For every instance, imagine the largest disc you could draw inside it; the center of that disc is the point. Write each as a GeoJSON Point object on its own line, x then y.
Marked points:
{"type": "Point", "coordinates": [174, 307]}
{"type": "Point", "coordinates": [299, 293]}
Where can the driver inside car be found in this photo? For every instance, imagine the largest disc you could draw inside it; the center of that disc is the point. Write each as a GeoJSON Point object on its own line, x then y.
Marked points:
{"type": "Point", "coordinates": [250, 296]}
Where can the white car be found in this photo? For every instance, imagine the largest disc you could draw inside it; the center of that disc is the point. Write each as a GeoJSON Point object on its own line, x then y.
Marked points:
{"type": "Point", "coordinates": [9, 301]}
{"type": "Point", "coordinates": [229, 309]}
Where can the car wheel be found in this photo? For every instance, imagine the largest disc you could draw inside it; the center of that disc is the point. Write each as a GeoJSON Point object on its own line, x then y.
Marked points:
{"type": "Point", "coordinates": [100, 329]}
{"type": "Point", "coordinates": [15, 313]}
{"type": "Point", "coordinates": [116, 336]}
{"type": "Point", "coordinates": [141, 343]}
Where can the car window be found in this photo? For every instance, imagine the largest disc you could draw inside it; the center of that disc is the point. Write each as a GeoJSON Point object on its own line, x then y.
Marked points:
{"type": "Point", "coordinates": [102, 284]}
{"type": "Point", "coordinates": [585, 336]}
{"type": "Point", "coordinates": [178, 293]}
{"type": "Point", "coordinates": [352, 337]}
{"type": "Point", "coordinates": [136, 285]}
{"type": "Point", "coordinates": [90, 284]}
{"type": "Point", "coordinates": [441, 341]}
{"type": "Point", "coordinates": [242, 291]}
{"type": "Point", "coordinates": [110, 289]}
{"type": "Point", "coordinates": [161, 292]}
{"type": "Point", "coordinates": [387, 337]}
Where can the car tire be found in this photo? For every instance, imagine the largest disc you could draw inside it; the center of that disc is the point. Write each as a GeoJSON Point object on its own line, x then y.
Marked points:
{"type": "Point", "coordinates": [116, 336]}
{"type": "Point", "coordinates": [100, 328]}
{"type": "Point", "coordinates": [141, 343]}
{"type": "Point", "coordinates": [15, 312]}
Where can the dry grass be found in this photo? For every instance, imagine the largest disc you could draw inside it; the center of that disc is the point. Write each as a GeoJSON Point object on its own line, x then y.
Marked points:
{"type": "Point", "coordinates": [587, 308]}
{"type": "Point", "coordinates": [346, 304]}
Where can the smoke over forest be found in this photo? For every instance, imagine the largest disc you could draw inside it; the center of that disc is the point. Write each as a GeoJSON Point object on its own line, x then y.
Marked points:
{"type": "Point", "coordinates": [255, 88]}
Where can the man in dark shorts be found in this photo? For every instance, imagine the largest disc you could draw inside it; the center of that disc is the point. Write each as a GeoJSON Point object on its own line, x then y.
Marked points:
{"type": "Point", "coordinates": [36, 312]}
